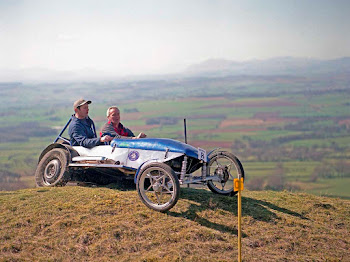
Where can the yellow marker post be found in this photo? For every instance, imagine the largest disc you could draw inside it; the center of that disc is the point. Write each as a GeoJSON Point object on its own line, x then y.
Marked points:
{"type": "Point", "coordinates": [238, 186]}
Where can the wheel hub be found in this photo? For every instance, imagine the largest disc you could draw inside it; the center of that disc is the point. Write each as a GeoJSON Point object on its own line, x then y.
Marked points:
{"type": "Point", "coordinates": [157, 187]}
{"type": "Point", "coordinates": [52, 169]}
{"type": "Point", "coordinates": [223, 174]}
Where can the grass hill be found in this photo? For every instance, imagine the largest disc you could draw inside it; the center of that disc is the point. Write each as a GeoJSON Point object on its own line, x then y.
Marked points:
{"type": "Point", "coordinates": [75, 223]}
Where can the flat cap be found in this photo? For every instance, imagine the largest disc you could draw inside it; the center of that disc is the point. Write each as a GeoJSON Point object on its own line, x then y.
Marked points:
{"type": "Point", "coordinates": [80, 102]}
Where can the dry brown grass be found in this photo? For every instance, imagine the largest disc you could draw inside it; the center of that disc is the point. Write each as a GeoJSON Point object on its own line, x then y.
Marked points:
{"type": "Point", "coordinates": [110, 224]}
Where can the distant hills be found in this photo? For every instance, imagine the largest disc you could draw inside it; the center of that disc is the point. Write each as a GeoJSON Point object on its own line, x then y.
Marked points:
{"type": "Point", "coordinates": [208, 68]}
{"type": "Point", "coordinates": [273, 66]}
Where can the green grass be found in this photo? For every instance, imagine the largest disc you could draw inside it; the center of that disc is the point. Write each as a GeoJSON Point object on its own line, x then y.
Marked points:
{"type": "Point", "coordinates": [299, 170]}
{"type": "Point", "coordinates": [293, 169]}
{"type": "Point", "coordinates": [109, 224]}
{"type": "Point", "coordinates": [337, 187]}
{"type": "Point", "coordinates": [298, 173]}
{"type": "Point", "coordinates": [268, 135]}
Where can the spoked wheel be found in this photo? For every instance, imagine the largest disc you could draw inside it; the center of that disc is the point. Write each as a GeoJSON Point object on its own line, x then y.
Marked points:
{"type": "Point", "coordinates": [52, 169]}
{"type": "Point", "coordinates": [226, 166]}
{"type": "Point", "coordinates": [158, 187]}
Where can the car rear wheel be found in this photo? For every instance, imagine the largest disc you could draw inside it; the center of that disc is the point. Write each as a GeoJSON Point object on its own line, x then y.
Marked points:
{"type": "Point", "coordinates": [52, 169]}
{"type": "Point", "coordinates": [226, 167]}
{"type": "Point", "coordinates": [158, 187]}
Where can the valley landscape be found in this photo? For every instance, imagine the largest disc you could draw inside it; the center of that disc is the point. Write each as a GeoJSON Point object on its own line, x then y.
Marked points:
{"type": "Point", "coordinates": [289, 128]}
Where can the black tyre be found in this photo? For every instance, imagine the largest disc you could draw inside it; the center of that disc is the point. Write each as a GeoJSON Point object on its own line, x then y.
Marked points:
{"type": "Point", "coordinates": [227, 167]}
{"type": "Point", "coordinates": [158, 186]}
{"type": "Point", "coordinates": [52, 169]}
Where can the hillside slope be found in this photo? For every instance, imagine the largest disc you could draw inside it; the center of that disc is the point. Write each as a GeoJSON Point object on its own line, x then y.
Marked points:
{"type": "Point", "coordinates": [75, 223]}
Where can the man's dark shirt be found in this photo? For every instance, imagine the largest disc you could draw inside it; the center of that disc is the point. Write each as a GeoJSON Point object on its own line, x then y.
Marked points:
{"type": "Point", "coordinates": [82, 133]}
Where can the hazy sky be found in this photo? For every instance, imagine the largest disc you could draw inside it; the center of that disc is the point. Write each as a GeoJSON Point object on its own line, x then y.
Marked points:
{"type": "Point", "coordinates": [160, 36]}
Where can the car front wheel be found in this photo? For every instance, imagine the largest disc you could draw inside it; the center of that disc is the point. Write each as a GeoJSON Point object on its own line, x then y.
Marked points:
{"type": "Point", "coordinates": [158, 187]}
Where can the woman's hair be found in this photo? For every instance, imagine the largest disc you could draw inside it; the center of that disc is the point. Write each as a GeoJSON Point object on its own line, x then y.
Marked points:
{"type": "Point", "coordinates": [110, 108]}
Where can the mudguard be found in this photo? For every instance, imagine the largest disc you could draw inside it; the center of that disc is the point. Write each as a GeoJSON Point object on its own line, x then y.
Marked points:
{"type": "Point", "coordinates": [69, 149]}
{"type": "Point", "coordinates": [144, 163]}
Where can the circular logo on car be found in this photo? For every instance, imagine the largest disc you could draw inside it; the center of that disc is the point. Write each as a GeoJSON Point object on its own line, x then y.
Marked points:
{"type": "Point", "coordinates": [134, 155]}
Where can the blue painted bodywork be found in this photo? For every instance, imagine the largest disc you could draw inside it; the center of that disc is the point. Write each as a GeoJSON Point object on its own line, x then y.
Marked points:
{"type": "Point", "coordinates": [156, 144]}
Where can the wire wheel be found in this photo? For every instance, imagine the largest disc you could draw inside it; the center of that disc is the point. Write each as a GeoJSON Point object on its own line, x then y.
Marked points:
{"type": "Point", "coordinates": [227, 167]}
{"type": "Point", "coordinates": [158, 187]}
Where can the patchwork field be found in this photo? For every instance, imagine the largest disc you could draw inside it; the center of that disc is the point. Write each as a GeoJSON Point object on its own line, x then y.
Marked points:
{"type": "Point", "coordinates": [287, 138]}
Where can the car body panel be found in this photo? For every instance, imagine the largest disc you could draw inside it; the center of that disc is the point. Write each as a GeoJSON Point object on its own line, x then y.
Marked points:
{"type": "Point", "coordinates": [156, 144]}
{"type": "Point", "coordinates": [133, 153]}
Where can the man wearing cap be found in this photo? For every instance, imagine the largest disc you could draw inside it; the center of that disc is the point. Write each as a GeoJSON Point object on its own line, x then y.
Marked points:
{"type": "Point", "coordinates": [82, 129]}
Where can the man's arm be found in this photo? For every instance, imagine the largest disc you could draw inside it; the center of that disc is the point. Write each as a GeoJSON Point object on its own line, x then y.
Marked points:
{"type": "Point", "coordinates": [131, 134]}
